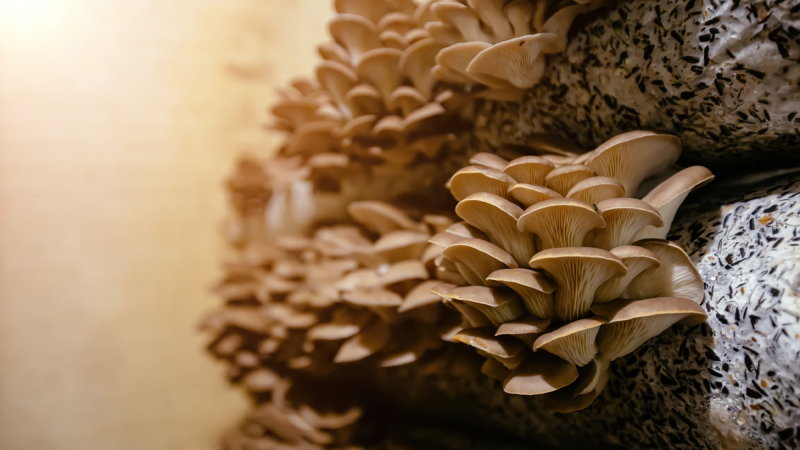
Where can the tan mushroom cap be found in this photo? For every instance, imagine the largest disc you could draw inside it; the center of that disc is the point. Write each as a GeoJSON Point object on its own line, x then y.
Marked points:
{"type": "Point", "coordinates": [345, 322]}
{"type": "Point", "coordinates": [560, 222]}
{"type": "Point", "coordinates": [312, 137]}
{"type": "Point", "coordinates": [380, 218]}
{"type": "Point", "coordinates": [466, 230]}
{"type": "Point", "coordinates": [578, 272]}
{"type": "Point", "coordinates": [540, 373]}
{"type": "Point", "coordinates": [417, 117]}
{"type": "Point", "coordinates": [461, 17]}
{"type": "Point", "coordinates": [564, 178]}
{"type": "Point", "coordinates": [390, 127]}
{"type": "Point", "coordinates": [518, 61]}
{"type": "Point", "coordinates": [637, 260]}
{"type": "Point", "coordinates": [473, 179]}
{"type": "Point", "coordinates": [676, 277]}
{"type": "Point", "coordinates": [456, 58]}
{"type": "Point", "coordinates": [372, 11]}
{"type": "Point", "coordinates": [668, 196]}
{"type": "Point", "coordinates": [355, 33]}
{"type": "Point", "coordinates": [397, 21]}
{"type": "Point", "coordinates": [526, 329]}
{"type": "Point", "coordinates": [491, 13]}
{"type": "Point", "coordinates": [393, 39]}
{"type": "Point", "coordinates": [507, 350]}
{"type": "Point", "coordinates": [535, 289]}
{"type": "Point", "coordinates": [497, 217]}
{"type": "Point", "coordinates": [337, 79]}
{"type": "Point", "coordinates": [520, 15]}
{"type": "Point", "coordinates": [406, 99]}
{"type": "Point", "coordinates": [624, 217]}
{"type": "Point", "coordinates": [400, 245]}
{"type": "Point", "coordinates": [559, 24]}
{"type": "Point", "coordinates": [445, 239]}
{"type": "Point", "coordinates": [529, 169]}
{"type": "Point", "coordinates": [298, 112]}
{"type": "Point", "coordinates": [476, 259]}
{"type": "Point", "coordinates": [563, 401]}
{"type": "Point", "coordinates": [416, 35]}
{"type": "Point", "coordinates": [367, 342]}
{"type": "Point", "coordinates": [489, 160]}
{"type": "Point", "coordinates": [439, 223]}
{"type": "Point", "coordinates": [378, 67]}
{"type": "Point", "coordinates": [632, 157]}
{"type": "Point", "coordinates": [596, 189]}
{"type": "Point", "coordinates": [331, 51]}
{"type": "Point", "coordinates": [499, 305]}
{"type": "Point", "coordinates": [573, 342]}
{"type": "Point", "coordinates": [444, 33]}
{"type": "Point", "coordinates": [420, 296]}
{"type": "Point", "coordinates": [416, 63]}
{"type": "Point", "coordinates": [495, 369]}
{"type": "Point", "coordinates": [364, 100]}
{"type": "Point", "coordinates": [531, 194]}
{"type": "Point", "coordinates": [632, 323]}
{"type": "Point", "coordinates": [403, 271]}
{"type": "Point", "coordinates": [357, 127]}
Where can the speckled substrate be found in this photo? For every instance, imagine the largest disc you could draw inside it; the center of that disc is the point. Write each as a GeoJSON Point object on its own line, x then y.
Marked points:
{"type": "Point", "coordinates": [733, 382]}
{"type": "Point", "coordinates": [721, 74]}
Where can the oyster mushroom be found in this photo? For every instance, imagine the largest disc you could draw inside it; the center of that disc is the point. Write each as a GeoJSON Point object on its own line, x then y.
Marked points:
{"type": "Point", "coordinates": [596, 189]}
{"type": "Point", "coordinates": [378, 67]}
{"type": "Point", "coordinates": [564, 178]}
{"type": "Point", "coordinates": [506, 350]}
{"type": "Point", "coordinates": [476, 259]}
{"type": "Point", "coordinates": [371, 339]}
{"type": "Point", "coordinates": [473, 179]}
{"type": "Point", "coordinates": [624, 217]}
{"type": "Point", "coordinates": [636, 260]}
{"type": "Point", "coordinates": [497, 304]}
{"type": "Point", "coordinates": [497, 217]}
{"type": "Point", "coordinates": [529, 169]}
{"type": "Point", "coordinates": [355, 33]}
{"type": "Point", "coordinates": [535, 289]}
{"type": "Point", "coordinates": [526, 329]}
{"type": "Point", "coordinates": [573, 342]}
{"type": "Point", "coordinates": [531, 194]}
{"type": "Point", "coordinates": [560, 222]}
{"type": "Point", "coordinates": [519, 61]}
{"type": "Point", "coordinates": [675, 277]}
{"type": "Point", "coordinates": [540, 373]}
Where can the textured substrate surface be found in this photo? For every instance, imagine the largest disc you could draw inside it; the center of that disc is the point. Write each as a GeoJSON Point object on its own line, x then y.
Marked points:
{"type": "Point", "coordinates": [733, 382]}
{"type": "Point", "coordinates": [721, 74]}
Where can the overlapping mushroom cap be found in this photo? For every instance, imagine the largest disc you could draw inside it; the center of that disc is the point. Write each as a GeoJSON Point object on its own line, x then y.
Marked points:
{"type": "Point", "coordinates": [347, 293]}
{"type": "Point", "coordinates": [549, 273]}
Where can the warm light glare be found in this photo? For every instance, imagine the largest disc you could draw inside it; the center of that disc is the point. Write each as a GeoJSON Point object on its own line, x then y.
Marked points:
{"type": "Point", "coordinates": [30, 19]}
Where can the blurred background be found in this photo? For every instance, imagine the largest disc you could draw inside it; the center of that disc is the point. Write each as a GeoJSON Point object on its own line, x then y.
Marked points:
{"type": "Point", "coordinates": [119, 121]}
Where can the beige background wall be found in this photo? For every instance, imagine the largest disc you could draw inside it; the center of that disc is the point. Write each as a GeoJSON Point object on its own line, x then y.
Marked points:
{"type": "Point", "coordinates": [118, 122]}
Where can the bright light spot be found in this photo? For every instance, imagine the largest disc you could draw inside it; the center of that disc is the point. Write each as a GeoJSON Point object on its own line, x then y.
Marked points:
{"type": "Point", "coordinates": [30, 19]}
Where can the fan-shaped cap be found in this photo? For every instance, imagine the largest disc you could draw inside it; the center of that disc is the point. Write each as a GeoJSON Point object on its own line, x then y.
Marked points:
{"type": "Point", "coordinates": [360, 126]}
{"type": "Point", "coordinates": [531, 194]}
{"type": "Point", "coordinates": [591, 376]}
{"type": "Point", "coordinates": [416, 118]}
{"type": "Point", "coordinates": [564, 401]}
{"type": "Point", "coordinates": [355, 33]}
{"type": "Point", "coordinates": [416, 63]}
{"type": "Point", "coordinates": [416, 35]}
{"type": "Point", "coordinates": [540, 373]}
{"type": "Point", "coordinates": [420, 296]}
{"type": "Point", "coordinates": [461, 17]}
{"type": "Point", "coordinates": [370, 10]}
{"type": "Point", "coordinates": [400, 245]}
{"type": "Point", "coordinates": [345, 322]}
{"type": "Point", "coordinates": [398, 22]}
{"type": "Point", "coordinates": [560, 222]}
{"type": "Point", "coordinates": [378, 67]}
{"type": "Point", "coordinates": [564, 178]}
{"type": "Point", "coordinates": [367, 342]}
{"type": "Point", "coordinates": [446, 34]}
{"type": "Point", "coordinates": [507, 350]}
{"type": "Point", "coordinates": [526, 329]}
{"type": "Point", "coordinates": [668, 196]}
{"type": "Point", "coordinates": [535, 289]}
{"type": "Point", "coordinates": [636, 260]}
{"type": "Point", "coordinates": [560, 23]}
{"type": "Point", "coordinates": [520, 15]}
{"type": "Point", "coordinates": [402, 271]}
{"type": "Point", "coordinates": [312, 137]}
{"type": "Point", "coordinates": [624, 217]}
{"type": "Point", "coordinates": [379, 217]}
{"type": "Point", "coordinates": [393, 39]}
{"type": "Point", "coordinates": [476, 259]}
{"type": "Point", "coordinates": [497, 304]}
{"type": "Point", "coordinates": [632, 323]}
{"type": "Point", "coordinates": [456, 58]}
{"type": "Point", "coordinates": [676, 277]}
{"type": "Point", "coordinates": [596, 189]}
{"type": "Point", "coordinates": [518, 61]}
{"type": "Point", "coordinates": [493, 368]}
{"type": "Point", "coordinates": [298, 112]}
{"type": "Point", "coordinates": [491, 13]}
{"type": "Point", "coordinates": [635, 156]}
{"type": "Point", "coordinates": [445, 239]}
{"type": "Point", "coordinates": [473, 179]}
{"type": "Point", "coordinates": [497, 217]}
{"type": "Point", "coordinates": [489, 160]}
{"type": "Point", "coordinates": [573, 342]}
{"type": "Point", "coordinates": [529, 169]}
{"type": "Point", "coordinates": [466, 230]}
{"type": "Point", "coordinates": [390, 127]}
{"type": "Point", "coordinates": [578, 273]}
{"type": "Point", "coordinates": [332, 51]}
{"type": "Point", "coordinates": [406, 99]}
{"type": "Point", "coordinates": [337, 79]}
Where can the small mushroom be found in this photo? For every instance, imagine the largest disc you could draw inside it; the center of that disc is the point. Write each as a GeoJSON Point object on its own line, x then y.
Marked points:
{"type": "Point", "coordinates": [578, 273]}
{"type": "Point", "coordinates": [416, 118]}
{"type": "Point", "coordinates": [596, 189]}
{"type": "Point", "coordinates": [526, 329]}
{"type": "Point", "coordinates": [535, 289]}
{"type": "Point", "coordinates": [624, 217]}
{"type": "Point", "coordinates": [573, 342]}
{"type": "Point", "coordinates": [564, 178]}
{"type": "Point", "coordinates": [491, 13]}
{"type": "Point", "coordinates": [337, 79]}
{"type": "Point", "coordinates": [636, 260]}
{"type": "Point", "coordinates": [498, 304]}
{"type": "Point", "coordinates": [367, 342]}
{"type": "Point", "coordinates": [540, 373]}
{"type": "Point", "coordinates": [379, 217]}
{"type": "Point", "coordinates": [560, 222]}
{"type": "Point", "coordinates": [400, 245]}
{"type": "Point", "coordinates": [635, 156]}
{"type": "Point", "coordinates": [668, 196]}
{"type": "Point", "coordinates": [416, 63]}
{"type": "Point", "coordinates": [529, 169]}
{"type": "Point", "coordinates": [446, 34]}
{"type": "Point", "coordinates": [466, 230]}
{"type": "Point", "coordinates": [372, 11]}
{"type": "Point", "coordinates": [507, 350]}
{"type": "Point", "coordinates": [497, 217]}
{"type": "Point", "coordinates": [420, 296]}
{"type": "Point", "coordinates": [518, 61]}
{"type": "Point", "coordinates": [531, 194]}
{"type": "Point", "coordinates": [416, 35]}
{"type": "Point", "coordinates": [520, 15]}
{"type": "Point", "coordinates": [489, 160]}
{"type": "Point", "coordinates": [406, 99]}
{"type": "Point", "coordinates": [393, 39]}
{"type": "Point", "coordinates": [495, 369]}
{"type": "Point", "coordinates": [476, 259]}
{"type": "Point", "coordinates": [461, 17]}
{"type": "Point", "coordinates": [473, 179]}
{"type": "Point", "coordinates": [396, 21]}
{"type": "Point", "coordinates": [355, 33]}
{"type": "Point", "coordinates": [458, 57]}
{"type": "Point", "coordinates": [632, 323]}
{"type": "Point", "coordinates": [332, 51]}
{"type": "Point", "coordinates": [378, 67]}
{"type": "Point", "coordinates": [676, 277]}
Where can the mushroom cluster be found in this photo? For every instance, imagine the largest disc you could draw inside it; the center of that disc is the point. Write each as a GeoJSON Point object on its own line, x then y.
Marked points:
{"type": "Point", "coordinates": [375, 118]}
{"type": "Point", "coordinates": [348, 293]}
{"type": "Point", "coordinates": [557, 270]}
{"type": "Point", "coordinates": [500, 44]}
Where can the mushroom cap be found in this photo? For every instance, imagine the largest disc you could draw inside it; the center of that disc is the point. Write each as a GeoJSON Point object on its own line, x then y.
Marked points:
{"type": "Point", "coordinates": [393, 39]}
{"type": "Point", "coordinates": [484, 339]}
{"type": "Point", "coordinates": [420, 296]}
{"type": "Point", "coordinates": [416, 63]}
{"type": "Point", "coordinates": [444, 33]}
{"type": "Point", "coordinates": [390, 127]}
{"type": "Point", "coordinates": [519, 61]}
{"type": "Point", "coordinates": [400, 245]}
{"type": "Point", "coordinates": [372, 11]}
{"type": "Point", "coordinates": [520, 15]}
{"type": "Point", "coordinates": [668, 196]}
{"type": "Point", "coordinates": [632, 323]}
{"type": "Point", "coordinates": [624, 217]}
{"type": "Point", "coordinates": [397, 21]}
{"type": "Point", "coordinates": [371, 339]}
{"type": "Point", "coordinates": [573, 342]}
{"type": "Point", "coordinates": [445, 239]}
{"type": "Point", "coordinates": [461, 17]}
{"type": "Point", "coordinates": [526, 329]}
{"type": "Point", "coordinates": [355, 33]}
{"type": "Point", "coordinates": [535, 289]}
{"type": "Point", "coordinates": [337, 79]}
{"type": "Point", "coordinates": [416, 35]}
{"type": "Point", "coordinates": [414, 120]}
{"type": "Point", "coordinates": [564, 178]}
{"type": "Point", "coordinates": [406, 99]}
{"type": "Point", "coordinates": [499, 305]}
{"type": "Point", "coordinates": [378, 67]}
{"type": "Point", "coordinates": [466, 230]}
{"type": "Point", "coordinates": [332, 51]}
{"type": "Point", "coordinates": [372, 297]}
{"type": "Point", "coordinates": [529, 169]}
{"type": "Point", "coordinates": [578, 272]}
{"type": "Point", "coordinates": [676, 277]}
{"type": "Point", "coordinates": [489, 160]}
{"type": "Point", "coordinates": [635, 156]}
{"type": "Point", "coordinates": [359, 126]}
{"type": "Point", "coordinates": [540, 373]}
{"type": "Point", "coordinates": [495, 369]}
{"type": "Point", "coordinates": [596, 189]}
{"type": "Point", "coordinates": [473, 179]}
{"type": "Point", "coordinates": [497, 217]}
{"type": "Point", "coordinates": [560, 222]}
{"type": "Point", "coordinates": [491, 13]}
{"type": "Point", "coordinates": [559, 24]}
{"type": "Point", "coordinates": [636, 260]}
{"type": "Point", "coordinates": [476, 259]}
{"type": "Point", "coordinates": [379, 217]}
{"type": "Point", "coordinates": [403, 271]}
{"type": "Point", "coordinates": [456, 58]}
{"type": "Point", "coordinates": [531, 194]}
